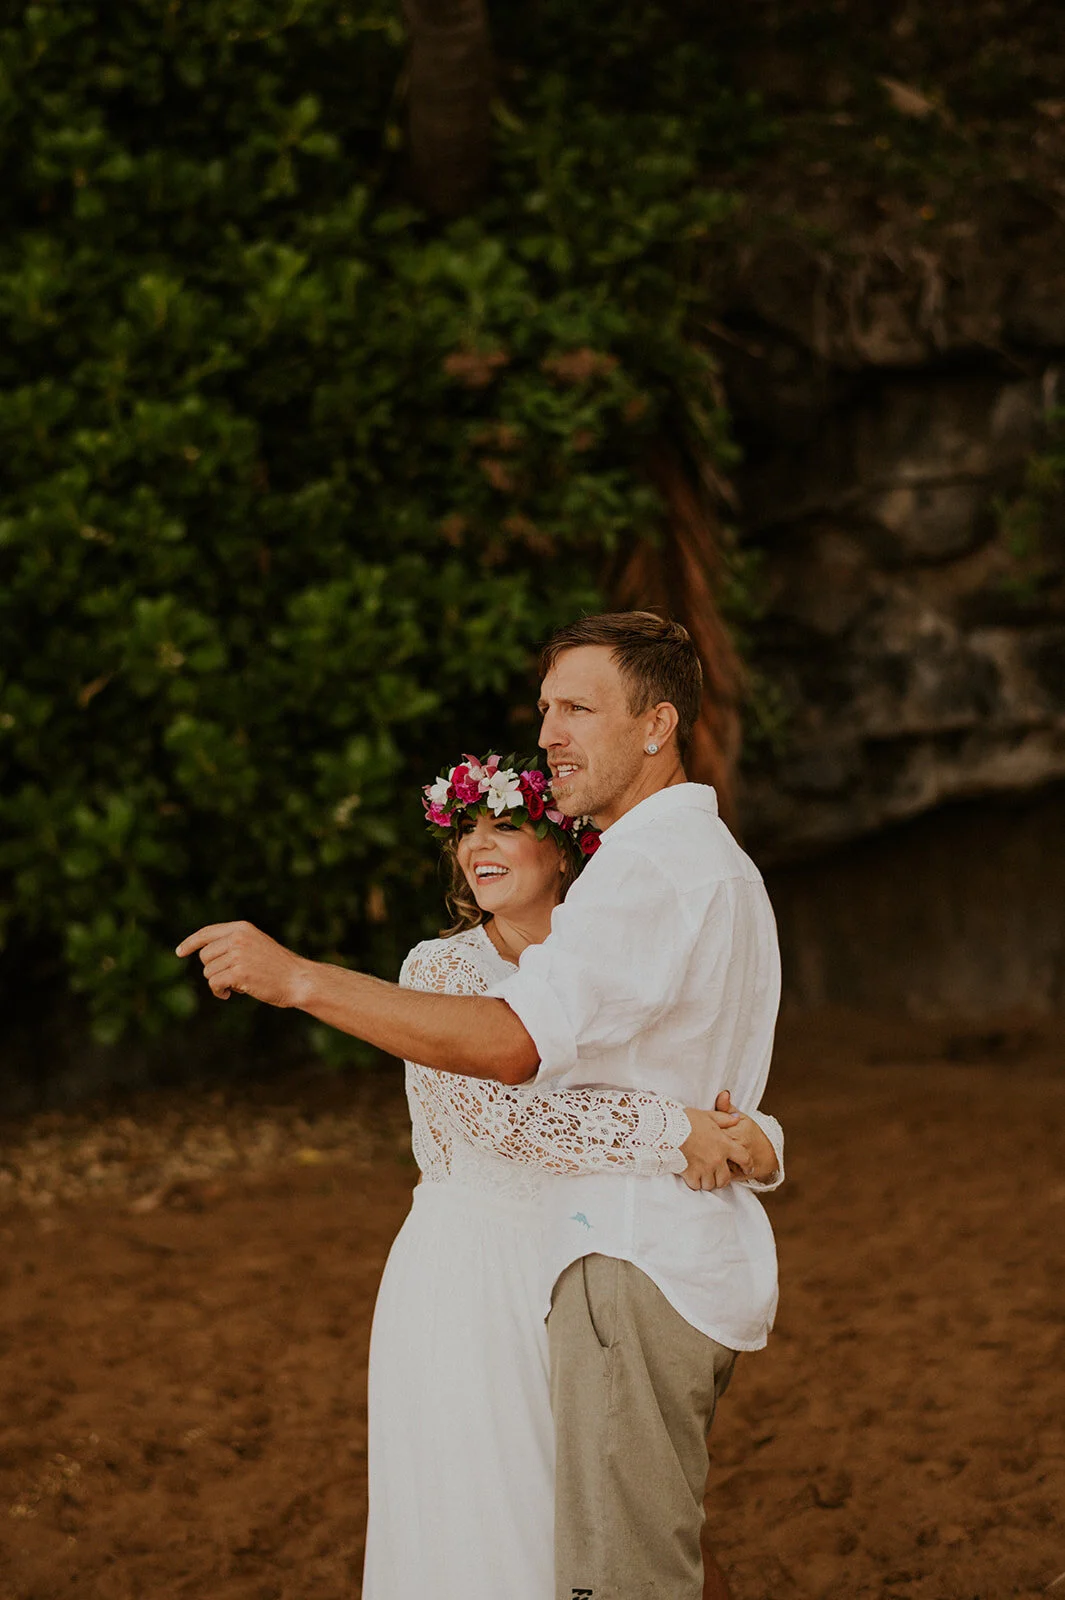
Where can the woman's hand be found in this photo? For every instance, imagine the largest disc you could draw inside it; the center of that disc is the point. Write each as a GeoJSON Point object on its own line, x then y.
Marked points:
{"type": "Point", "coordinates": [763, 1156]}
{"type": "Point", "coordinates": [713, 1150]}
{"type": "Point", "coordinates": [724, 1145]}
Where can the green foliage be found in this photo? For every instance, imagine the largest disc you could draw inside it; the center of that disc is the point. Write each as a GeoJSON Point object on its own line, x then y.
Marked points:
{"type": "Point", "coordinates": [295, 480]}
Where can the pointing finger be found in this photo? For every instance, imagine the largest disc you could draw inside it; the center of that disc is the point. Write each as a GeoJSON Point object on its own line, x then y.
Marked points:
{"type": "Point", "coordinates": [202, 936]}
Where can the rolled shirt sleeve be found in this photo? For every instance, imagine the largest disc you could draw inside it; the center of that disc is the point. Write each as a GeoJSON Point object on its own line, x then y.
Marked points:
{"type": "Point", "coordinates": [775, 1134]}
{"type": "Point", "coordinates": [612, 965]}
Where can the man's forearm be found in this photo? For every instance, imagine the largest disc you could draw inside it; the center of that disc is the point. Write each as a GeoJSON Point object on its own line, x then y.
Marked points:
{"type": "Point", "coordinates": [470, 1034]}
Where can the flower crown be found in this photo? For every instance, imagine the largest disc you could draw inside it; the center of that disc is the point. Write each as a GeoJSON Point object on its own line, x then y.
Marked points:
{"type": "Point", "coordinates": [511, 787]}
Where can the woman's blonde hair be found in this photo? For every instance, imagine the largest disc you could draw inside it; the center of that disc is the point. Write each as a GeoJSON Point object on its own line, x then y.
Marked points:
{"type": "Point", "coordinates": [459, 897]}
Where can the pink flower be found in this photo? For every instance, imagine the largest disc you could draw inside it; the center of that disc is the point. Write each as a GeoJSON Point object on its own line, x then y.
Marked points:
{"type": "Point", "coordinates": [438, 815]}
{"type": "Point", "coordinates": [466, 787]}
{"type": "Point", "coordinates": [534, 780]}
{"type": "Point", "coordinates": [534, 804]}
{"type": "Point", "coordinates": [557, 817]}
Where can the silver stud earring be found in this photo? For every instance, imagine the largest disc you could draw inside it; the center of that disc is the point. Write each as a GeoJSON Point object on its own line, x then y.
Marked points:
{"type": "Point", "coordinates": [652, 749]}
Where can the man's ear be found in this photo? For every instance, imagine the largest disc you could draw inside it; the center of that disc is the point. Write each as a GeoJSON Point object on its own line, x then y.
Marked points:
{"type": "Point", "coordinates": [661, 724]}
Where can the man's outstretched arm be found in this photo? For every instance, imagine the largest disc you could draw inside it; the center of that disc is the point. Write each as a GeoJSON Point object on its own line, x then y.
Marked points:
{"type": "Point", "coordinates": [471, 1034]}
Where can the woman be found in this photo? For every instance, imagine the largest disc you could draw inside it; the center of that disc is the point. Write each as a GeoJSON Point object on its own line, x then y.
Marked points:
{"type": "Point", "coordinates": [461, 1444]}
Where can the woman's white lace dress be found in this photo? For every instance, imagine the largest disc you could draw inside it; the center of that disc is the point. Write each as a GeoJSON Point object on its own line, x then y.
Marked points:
{"type": "Point", "coordinates": [461, 1445]}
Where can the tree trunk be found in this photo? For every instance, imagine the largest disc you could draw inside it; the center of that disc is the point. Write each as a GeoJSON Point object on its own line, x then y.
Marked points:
{"type": "Point", "coordinates": [449, 106]}
{"type": "Point", "coordinates": [681, 576]}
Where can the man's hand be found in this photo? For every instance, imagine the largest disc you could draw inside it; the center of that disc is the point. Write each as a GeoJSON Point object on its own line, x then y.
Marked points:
{"type": "Point", "coordinates": [239, 959]}
{"type": "Point", "coordinates": [759, 1148]}
{"type": "Point", "coordinates": [713, 1152]}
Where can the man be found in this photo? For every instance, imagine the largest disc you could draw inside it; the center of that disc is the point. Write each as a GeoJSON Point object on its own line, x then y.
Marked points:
{"type": "Point", "coordinates": [661, 971]}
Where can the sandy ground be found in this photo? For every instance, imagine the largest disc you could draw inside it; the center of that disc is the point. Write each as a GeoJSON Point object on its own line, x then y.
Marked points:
{"type": "Point", "coordinates": [187, 1285]}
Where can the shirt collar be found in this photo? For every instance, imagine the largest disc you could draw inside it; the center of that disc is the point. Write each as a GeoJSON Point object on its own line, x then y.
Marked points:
{"type": "Point", "coordinates": [678, 797]}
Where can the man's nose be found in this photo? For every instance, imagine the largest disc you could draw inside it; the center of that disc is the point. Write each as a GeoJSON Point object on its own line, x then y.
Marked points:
{"type": "Point", "coordinates": [550, 731]}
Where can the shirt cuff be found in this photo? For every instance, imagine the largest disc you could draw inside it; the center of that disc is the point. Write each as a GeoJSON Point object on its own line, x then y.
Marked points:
{"type": "Point", "coordinates": [775, 1134]}
{"type": "Point", "coordinates": [538, 1009]}
{"type": "Point", "coordinates": [678, 1128]}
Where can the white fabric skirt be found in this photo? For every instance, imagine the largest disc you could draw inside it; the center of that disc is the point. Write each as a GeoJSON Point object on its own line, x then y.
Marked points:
{"type": "Point", "coordinates": [461, 1443]}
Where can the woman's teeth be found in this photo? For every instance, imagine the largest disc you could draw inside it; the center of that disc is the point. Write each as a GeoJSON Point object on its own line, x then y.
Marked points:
{"type": "Point", "coordinates": [491, 872]}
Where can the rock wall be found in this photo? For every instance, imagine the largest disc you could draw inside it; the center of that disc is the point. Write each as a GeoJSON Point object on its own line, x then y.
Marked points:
{"type": "Point", "coordinates": [957, 914]}
{"type": "Point", "coordinates": [918, 647]}
{"type": "Point", "coordinates": [888, 407]}
{"type": "Point", "coordinates": [916, 662]}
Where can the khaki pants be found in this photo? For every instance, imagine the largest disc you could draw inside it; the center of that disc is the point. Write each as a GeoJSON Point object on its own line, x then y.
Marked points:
{"type": "Point", "coordinates": [633, 1390]}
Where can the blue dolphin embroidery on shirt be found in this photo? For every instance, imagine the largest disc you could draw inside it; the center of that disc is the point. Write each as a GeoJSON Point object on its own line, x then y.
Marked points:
{"type": "Point", "coordinates": [578, 1216]}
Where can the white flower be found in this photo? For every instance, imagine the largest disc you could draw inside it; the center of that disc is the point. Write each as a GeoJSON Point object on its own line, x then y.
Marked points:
{"type": "Point", "coordinates": [503, 792]}
{"type": "Point", "coordinates": [439, 792]}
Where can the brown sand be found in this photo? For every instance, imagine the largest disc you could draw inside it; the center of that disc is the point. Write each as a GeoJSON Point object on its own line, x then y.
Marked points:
{"type": "Point", "coordinates": [184, 1332]}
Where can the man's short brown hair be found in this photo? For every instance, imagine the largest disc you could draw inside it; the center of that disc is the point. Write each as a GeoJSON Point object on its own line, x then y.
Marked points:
{"type": "Point", "coordinates": [655, 656]}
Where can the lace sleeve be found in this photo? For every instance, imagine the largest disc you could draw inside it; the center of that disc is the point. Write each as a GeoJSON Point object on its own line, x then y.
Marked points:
{"type": "Point", "coordinates": [574, 1130]}
{"type": "Point", "coordinates": [443, 967]}
{"type": "Point", "coordinates": [571, 1131]}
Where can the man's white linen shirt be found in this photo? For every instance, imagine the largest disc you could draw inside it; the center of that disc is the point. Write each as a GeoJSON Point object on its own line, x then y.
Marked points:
{"type": "Point", "coordinates": [662, 971]}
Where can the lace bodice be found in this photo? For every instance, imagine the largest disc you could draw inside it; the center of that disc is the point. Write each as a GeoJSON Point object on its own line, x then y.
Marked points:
{"type": "Point", "coordinates": [490, 1136]}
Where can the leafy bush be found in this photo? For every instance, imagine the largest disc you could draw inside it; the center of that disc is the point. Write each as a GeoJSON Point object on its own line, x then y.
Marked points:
{"type": "Point", "coordinates": [294, 479]}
